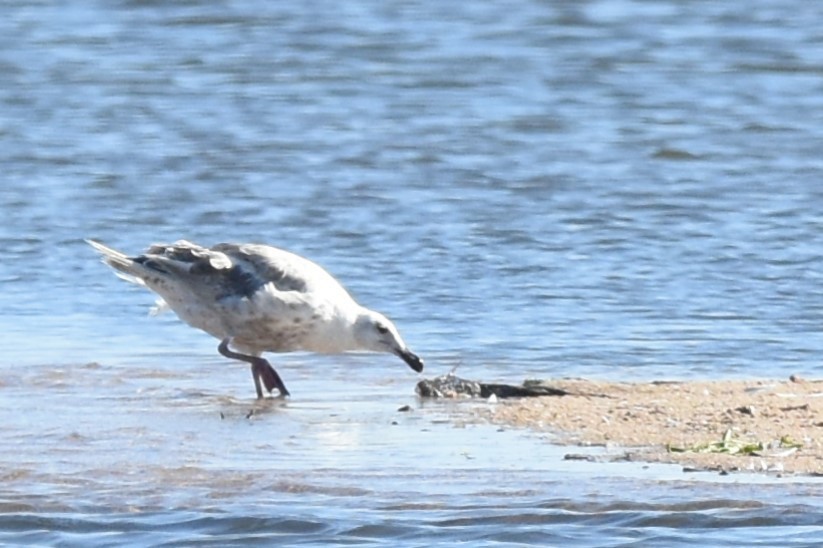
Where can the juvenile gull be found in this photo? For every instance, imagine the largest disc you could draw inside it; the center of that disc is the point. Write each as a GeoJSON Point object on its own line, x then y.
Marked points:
{"type": "Point", "coordinates": [258, 298]}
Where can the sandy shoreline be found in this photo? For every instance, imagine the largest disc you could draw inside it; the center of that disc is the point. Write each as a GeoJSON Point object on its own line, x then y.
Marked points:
{"type": "Point", "coordinates": [768, 425]}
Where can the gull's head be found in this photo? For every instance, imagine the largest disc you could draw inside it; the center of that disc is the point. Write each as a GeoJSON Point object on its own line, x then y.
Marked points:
{"type": "Point", "coordinates": [373, 331]}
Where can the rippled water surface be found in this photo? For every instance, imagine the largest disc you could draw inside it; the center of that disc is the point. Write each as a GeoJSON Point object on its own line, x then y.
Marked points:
{"type": "Point", "coordinates": [615, 189]}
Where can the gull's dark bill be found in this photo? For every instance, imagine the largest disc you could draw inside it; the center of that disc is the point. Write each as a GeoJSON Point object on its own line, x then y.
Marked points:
{"type": "Point", "coordinates": [412, 359]}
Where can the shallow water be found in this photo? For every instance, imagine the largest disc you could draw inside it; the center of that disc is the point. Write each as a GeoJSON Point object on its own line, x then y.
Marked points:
{"type": "Point", "coordinates": [116, 455]}
{"type": "Point", "coordinates": [613, 189]}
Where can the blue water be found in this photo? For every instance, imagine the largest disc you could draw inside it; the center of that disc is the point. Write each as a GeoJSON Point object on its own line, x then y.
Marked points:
{"type": "Point", "coordinates": [614, 189]}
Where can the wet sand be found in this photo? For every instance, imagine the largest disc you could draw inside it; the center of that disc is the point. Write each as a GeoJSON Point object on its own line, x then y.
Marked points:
{"type": "Point", "coordinates": [731, 425]}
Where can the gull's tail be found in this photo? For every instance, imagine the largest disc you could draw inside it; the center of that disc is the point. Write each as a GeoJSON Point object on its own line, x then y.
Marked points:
{"type": "Point", "coordinates": [124, 266]}
{"type": "Point", "coordinates": [176, 271]}
{"type": "Point", "coordinates": [128, 268]}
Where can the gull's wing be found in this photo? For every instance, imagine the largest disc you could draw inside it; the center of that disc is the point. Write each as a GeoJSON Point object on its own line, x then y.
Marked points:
{"type": "Point", "coordinates": [285, 270]}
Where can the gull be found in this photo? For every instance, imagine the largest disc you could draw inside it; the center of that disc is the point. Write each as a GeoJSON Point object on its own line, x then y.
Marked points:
{"type": "Point", "coordinates": [257, 298]}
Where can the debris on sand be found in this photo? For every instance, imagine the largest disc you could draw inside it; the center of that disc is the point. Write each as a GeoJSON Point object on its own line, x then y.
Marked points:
{"type": "Point", "coordinates": [452, 386]}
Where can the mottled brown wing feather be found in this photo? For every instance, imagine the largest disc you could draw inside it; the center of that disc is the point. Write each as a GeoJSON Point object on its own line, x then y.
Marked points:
{"type": "Point", "coordinates": [266, 264]}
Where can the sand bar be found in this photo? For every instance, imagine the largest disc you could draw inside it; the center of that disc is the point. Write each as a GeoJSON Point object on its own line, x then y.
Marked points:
{"type": "Point", "coordinates": [773, 426]}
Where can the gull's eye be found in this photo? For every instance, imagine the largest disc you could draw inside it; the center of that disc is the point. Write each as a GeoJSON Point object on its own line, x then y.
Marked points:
{"type": "Point", "coordinates": [382, 329]}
